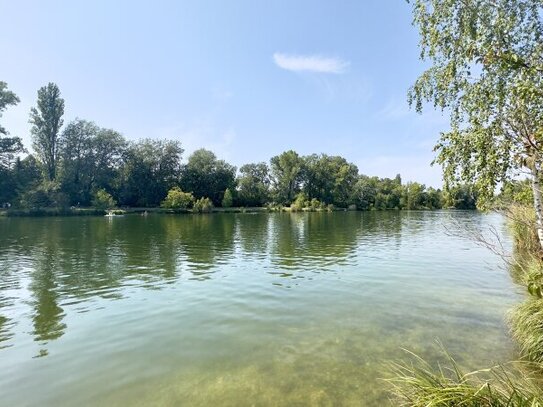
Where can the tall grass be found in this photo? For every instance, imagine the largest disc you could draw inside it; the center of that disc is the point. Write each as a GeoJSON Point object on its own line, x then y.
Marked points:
{"type": "Point", "coordinates": [416, 383]}
{"type": "Point", "coordinates": [522, 227]}
{"type": "Point", "coordinates": [526, 321]}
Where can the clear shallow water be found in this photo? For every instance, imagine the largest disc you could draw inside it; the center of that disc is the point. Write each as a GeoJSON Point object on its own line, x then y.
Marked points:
{"type": "Point", "coordinates": [240, 309]}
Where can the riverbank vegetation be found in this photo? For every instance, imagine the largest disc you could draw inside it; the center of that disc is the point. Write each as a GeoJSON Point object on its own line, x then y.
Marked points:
{"type": "Point", "coordinates": [81, 164]}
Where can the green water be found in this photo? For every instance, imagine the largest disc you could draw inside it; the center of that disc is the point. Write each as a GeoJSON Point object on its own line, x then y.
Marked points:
{"type": "Point", "coordinates": [240, 309]}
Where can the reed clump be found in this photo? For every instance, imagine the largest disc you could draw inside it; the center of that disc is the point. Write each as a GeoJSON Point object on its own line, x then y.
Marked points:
{"type": "Point", "coordinates": [416, 383]}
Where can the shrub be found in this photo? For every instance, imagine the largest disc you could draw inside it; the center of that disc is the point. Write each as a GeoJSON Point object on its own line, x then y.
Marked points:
{"type": "Point", "coordinates": [299, 203]}
{"type": "Point", "coordinates": [203, 205]}
{"type": "Point", "coordinates": [177, 199]}
{"type": "Point", "coordinates": [227, 199]}
{"type": "Point", "coordinates": [103, 200]}
{"type": "Point", "coordinates": [315, 204]}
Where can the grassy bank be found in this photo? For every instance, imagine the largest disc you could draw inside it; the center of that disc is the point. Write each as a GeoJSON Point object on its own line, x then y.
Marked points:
{"type": "Point", "coordinates": [415, 383]}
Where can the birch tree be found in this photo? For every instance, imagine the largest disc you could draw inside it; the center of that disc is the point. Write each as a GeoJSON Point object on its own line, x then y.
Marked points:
{"type": "Point", "coordinates": [487, 71]}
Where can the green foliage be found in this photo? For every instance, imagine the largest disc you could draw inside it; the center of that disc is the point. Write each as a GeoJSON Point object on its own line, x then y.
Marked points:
{"type": "Point", "coordinates": [46, 120]}
{"type": "Point", "coordinates": [460, 197]}
{"type": "Point", "coordinates": [46, 194]}
{"type": "Point", "coordinates": [77, 160]}
{"type": "Point", "coordinates": [103, 200]}
{"type": "Point", "coordinates": [227, 199]}
{"type": "Point", "coordinates": [7, 98]}
{"type": "Point", "coordinates": [254, 184]}
{"type": "Point", "coordinates": [205, 175]}
{"type": "Point", "coordinates": [203, 205]}
{"type": "Point", "coordinates": [85, 158]}
{"type": "Point", "coordinates": [517, 192]}
{"type": "Point", "coordinates": [150, 168]}
{"type": "Point", "coordinates": [417, 383]}
{"type": "Point", "coordinates": [386, 193]}
{"type": "Point", "coordinates": [286, 170]}
{"type": "Point", "coordinates": [9, 146]}
{"type": "Point", "coordinates": [487, 72]}
{"type": "Point", "coordinates": [315, 205]}
{"type": "Point", "coordinates": [177, 199]}
{"type": "Point", "coordinates": [329, 178]}
{"type": "Point", "coordinates": [299, 203]}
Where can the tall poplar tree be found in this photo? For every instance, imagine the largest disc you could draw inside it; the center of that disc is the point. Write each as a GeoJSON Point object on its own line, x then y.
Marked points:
{"type": "Point", "coordinates": [46, 120]}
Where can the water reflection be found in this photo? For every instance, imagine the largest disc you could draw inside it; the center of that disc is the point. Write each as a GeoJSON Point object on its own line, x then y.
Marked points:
{"type": "Point", "coordinates": [56, 265]}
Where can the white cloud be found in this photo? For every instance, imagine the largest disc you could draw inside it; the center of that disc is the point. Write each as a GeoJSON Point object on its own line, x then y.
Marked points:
{"type": "Point", "coordinates": [310, 63]}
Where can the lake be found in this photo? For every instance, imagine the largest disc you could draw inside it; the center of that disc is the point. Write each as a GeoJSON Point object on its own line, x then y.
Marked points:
{"type": "Point", "coordinates": [241, 309]}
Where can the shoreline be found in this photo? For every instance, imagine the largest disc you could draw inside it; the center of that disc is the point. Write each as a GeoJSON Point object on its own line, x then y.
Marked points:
{"type": "Point", "coordinates": [68, 212]}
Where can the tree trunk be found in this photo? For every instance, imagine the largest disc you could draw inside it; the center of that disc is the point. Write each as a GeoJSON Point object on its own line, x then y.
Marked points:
{"type": "Point", "coordinates": [538, 205]}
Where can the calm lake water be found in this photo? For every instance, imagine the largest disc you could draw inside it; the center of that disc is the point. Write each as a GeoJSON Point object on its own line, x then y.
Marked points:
{"type": "Point", "coordinates": [241, 309]}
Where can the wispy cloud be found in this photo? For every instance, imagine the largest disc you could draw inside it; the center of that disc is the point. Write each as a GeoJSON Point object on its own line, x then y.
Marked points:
{"type": "Point", "coordinates": [395, 109]}
{"type": "Point", "coordinates": [310, 63]}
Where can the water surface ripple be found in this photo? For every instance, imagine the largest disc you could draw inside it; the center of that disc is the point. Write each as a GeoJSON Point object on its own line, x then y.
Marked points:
{"type": "Point", "coordinates": [241, 309]}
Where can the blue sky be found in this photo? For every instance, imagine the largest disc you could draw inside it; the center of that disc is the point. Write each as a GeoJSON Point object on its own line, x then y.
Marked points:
{"type": "Point", "coordinates": [246, 79]}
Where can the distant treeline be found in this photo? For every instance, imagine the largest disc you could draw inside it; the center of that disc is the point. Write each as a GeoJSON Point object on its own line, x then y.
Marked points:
{"type": "Point", "coordinates": [82, 164]}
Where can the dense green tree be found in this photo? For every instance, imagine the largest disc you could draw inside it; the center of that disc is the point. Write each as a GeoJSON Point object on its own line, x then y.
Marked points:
{"type": "Point", "coordinates": [24, 175]}
{"type": "Point", "coordinates": [150, 168]}
{"type": "Point", "coordinates": [364, 192]}
{"type": "Point", "coordinates": [77, 160]}
{"type": "Point", "coordinates": [330, 179]}
{"type": "Point", "coordinates": [206, 176]}
{"type": "Point", "coordinates": [9, 146]}
{"type": "Point", "coordinates": [434, 199]}
{"type": "Point", "coordinates": [44, 195]}
{"type": "Point", "coordinates": [46, 120]}
{"type": "Point", "coordinates": [462, 196]}
{"type": "Point", "coordinates": [487, 71]}
{"type": "Point", "coordinates": [286, 170]}
{"type": "Point", "coordinates": [254, 184]}
{"type": "Point", "coordinates": [414, 195]}
{"type": "Point", "coordinates": [108, 149]}
{"type": "Point", "coordinates": [90, 159]}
